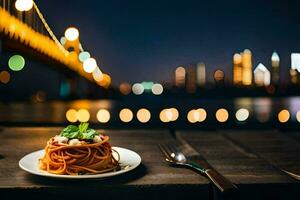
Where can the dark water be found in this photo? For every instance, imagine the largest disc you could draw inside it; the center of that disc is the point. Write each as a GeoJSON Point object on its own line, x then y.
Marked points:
{"type": "Point", "coordinates": [263, 112]}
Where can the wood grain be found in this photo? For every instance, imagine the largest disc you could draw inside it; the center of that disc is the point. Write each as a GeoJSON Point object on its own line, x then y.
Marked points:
{"type": "Point", "coordinates": [154, 177]}
{"type": "Point", "coordinates": [248, 161]}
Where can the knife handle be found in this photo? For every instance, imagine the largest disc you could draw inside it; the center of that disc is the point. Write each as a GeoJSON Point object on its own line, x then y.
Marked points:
{"type": "Point", "coordinates": [219, 180]}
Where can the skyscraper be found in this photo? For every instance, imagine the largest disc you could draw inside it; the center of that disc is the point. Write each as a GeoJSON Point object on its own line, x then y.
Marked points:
{"type": "Point", "coordinates": [262, 75]}
{"type": "Point", "coordinates": [180, 77]}
{"type": "Point", "coordinates": [295, 68]}
{"type": "Point", "coordinates": [191, 79]}
{"type": "Point", "coordinates": [275, 62]}
{"type": "Point", "coordinates": [237, 69]}
{"type": "Point", "coordinates": [201, 74]}
{"type": "Point", "coordinates": [247, 67]}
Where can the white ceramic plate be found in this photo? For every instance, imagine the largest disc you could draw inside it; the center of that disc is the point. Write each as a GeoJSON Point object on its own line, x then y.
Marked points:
{"type": "Point", "coordinates": [128, 161]}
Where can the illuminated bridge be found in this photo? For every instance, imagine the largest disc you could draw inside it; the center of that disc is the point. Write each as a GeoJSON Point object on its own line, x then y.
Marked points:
{"type": "Point", "coordinates": [23, 29]}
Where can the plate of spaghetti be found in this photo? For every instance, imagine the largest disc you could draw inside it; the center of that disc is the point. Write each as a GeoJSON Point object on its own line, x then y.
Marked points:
{"type": "Point", "coordinates": [80, 152]}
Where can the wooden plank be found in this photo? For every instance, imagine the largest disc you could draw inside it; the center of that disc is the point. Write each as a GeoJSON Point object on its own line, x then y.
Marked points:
{"type": "Point", "coordinates": [254, 176]}
{"type": "Point", "coordinates": [277, 148]}
{"type": "Point", "coordinates": [231, 162]}
{"type": "Point", "coordinates": [153, 175]}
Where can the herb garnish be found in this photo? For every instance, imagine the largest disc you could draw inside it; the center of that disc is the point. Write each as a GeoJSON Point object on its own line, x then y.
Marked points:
{"type": "Point", "coordinates": [81, 132]}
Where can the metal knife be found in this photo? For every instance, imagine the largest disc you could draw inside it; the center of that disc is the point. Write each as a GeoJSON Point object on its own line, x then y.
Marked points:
{"type": "Point", "coordinates": [218, 179]}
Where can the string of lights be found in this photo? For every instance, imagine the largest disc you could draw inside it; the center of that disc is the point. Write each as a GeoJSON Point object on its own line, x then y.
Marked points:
{"type": "Point", "coordinates": [75, 57]}
{"type": "Point", "coordinates": [52, 35]}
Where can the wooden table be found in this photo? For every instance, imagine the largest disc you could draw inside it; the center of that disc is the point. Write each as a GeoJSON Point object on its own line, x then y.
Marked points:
{"type": "Point", "coordinates": [252, 160]}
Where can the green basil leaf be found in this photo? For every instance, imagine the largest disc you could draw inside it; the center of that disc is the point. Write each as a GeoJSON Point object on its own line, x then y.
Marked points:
{"type": "Point", "coordinates": [68, 130]}
{"type": "Point", "coordinates": [83, 127]}
{"type": "Point", "coordinates": [73, 135]}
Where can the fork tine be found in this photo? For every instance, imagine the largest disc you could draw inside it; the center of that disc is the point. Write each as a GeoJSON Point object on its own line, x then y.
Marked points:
{"type": "Point", "coordinates": [168, 150]}
{"type": "Point", "coordinates": [164, 152]}
{"type": "Point", "coordinates": [172, 148]}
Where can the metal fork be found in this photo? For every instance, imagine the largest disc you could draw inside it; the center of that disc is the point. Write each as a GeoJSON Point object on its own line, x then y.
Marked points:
{"type": "Point", "coordinates": [174, 156]}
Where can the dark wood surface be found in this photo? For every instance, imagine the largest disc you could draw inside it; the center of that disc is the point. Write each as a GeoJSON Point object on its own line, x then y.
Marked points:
{"type": "Point", "coordinates": [251, 160]}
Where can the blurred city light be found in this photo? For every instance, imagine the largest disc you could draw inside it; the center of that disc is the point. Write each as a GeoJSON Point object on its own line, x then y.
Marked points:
{"type": "Point", "coordinates": [147, 85]}
{"type": "Point", "coordinates": [72, 33]}
{"type": "Point", "coordinates": [125, 88]}
{"type": "Point", "coordinates": [295, 61]}
{"type": "Point", "coordinates": [84, 56]}
{"type": "Point", "coordinates": [219, 75]}
{"type": "Point", "coordinates": [202, 114]}
{"type": "Point", "coordinates": [283, 116]}
{"type": "Point", "coordinates": [4, 77]}
{"type": "Point", "coordinates": [275, 62]}
{"type": "Point", "coordinates": [192, 116]}
{"type": "Point", "coordinates": [89, 65]}
{"type": "Point", "coordinates": [247, 67]}
{"type": "Point", "coordinates": [175, 114]}
{"type": "Point", "coordinates": [262, 75]}
{"type": "Point", "coordinates": [163, 116]}
{"type": "Point", "coordinates": [23, 5]}
{"type": "Point", "coordinates": [137, 89]}
{"type": "Point", "coordinates": [180, 77]}
{"type": "Point", "coordinates": [242, 114]}
{"type": "Point", "coordinates": [168, 115]}
{"type": "Point", "coordinates": [83, 115]}
{"type": "Point", "coordinates": [72, 115]}
{"type": "Point", "coordinates": [63, 40]}
{"type": "Point", "coordinates": [237, 69]}
{"type": "Point", "coordinates": [262, 109]}
{"type": "Point", "coordinates": [97, 74]}
{"type": "Point", "coordinates": [222, 115]}
{"type": "Point", "coordinates": [143, 115]}
{"type": "Point", "coordinates": [103, 115]}
{"type": "Point", "coordinates": [126, 115]}
{"type": "Point", "coordinates": [157, 89]}
{"type": "Point", "coordinates": [16, 63]}
{"type": "Point", "coordinates": [298, 116]}
{"type": "Point", "coordinates": [201, 74]}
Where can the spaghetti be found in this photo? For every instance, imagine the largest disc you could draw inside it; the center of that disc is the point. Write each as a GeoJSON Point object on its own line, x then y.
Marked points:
{"type": "Point", "coordinates": [83, 157]}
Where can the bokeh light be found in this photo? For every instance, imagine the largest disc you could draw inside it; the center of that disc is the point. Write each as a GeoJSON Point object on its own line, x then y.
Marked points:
{"type": "Point", "coordinates": [16, 63]}
{"type": "Point", "coordinates": [126, 115]}
{"type": "Point", "coordinates": [168, 115]}
{"type": "Point", "coordinates": [298, 116]}
{"type": "Point", "coordinates": [163, 117]}
{"type": "Point", "coordinates": [175, 114]}
{"type": "Point", "coordinates": [71, 115]}
{"type": "Point", "coordinates": [192, 116]}
{"type": "Point", "coordinates": [103, 115]}
{"type": "Point", "coordinates": [97, 75]}
{"type": "Point", "coordinates": [24, 5]}
{"type": "Point", "coordinates": [72, 33]}
{"type": "Point", "coordinates": [219, 75]}
{"type": "Point", "coordinates": [157, 89]}
{"type": "Point", "coordinates": [202, 114]}
{"type": "Point", "coordinates": [196, 115]}
{"type": "Point", "coordinates": [89, 65]}
{"type": "Point", "coordinates": [143, 115]}
{"type": "Point", "coordinates": [63, 40]}
{"type": "Point", "coordinates": [84, 56]}
{"type": "Point", "coordinates": [137, 89]}
{"type": "Point", "coordinates": [125, 88]}
{"type": "Point", "coordinates": [4, 77]}
{"type": "Point", "coordinates": [242, 114]}
{"type": "Point", "coordinates": [222, 115]}
{"type": "Point", "coordinates": [283, 116]}
{"type": "Point", "coordinates": [83, 115]}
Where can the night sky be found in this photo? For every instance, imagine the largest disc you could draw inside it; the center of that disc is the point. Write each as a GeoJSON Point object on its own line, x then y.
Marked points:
{"type": "Point", "coordinates": [145, 40]}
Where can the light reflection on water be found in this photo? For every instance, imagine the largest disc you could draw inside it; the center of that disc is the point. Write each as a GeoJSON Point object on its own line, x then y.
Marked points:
{"type": "Point", "coordinates": [261, 110]}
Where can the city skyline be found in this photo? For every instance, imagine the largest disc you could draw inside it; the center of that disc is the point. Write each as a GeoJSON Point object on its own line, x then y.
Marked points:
{"type": "Point", "coordinates": [146, 41]}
